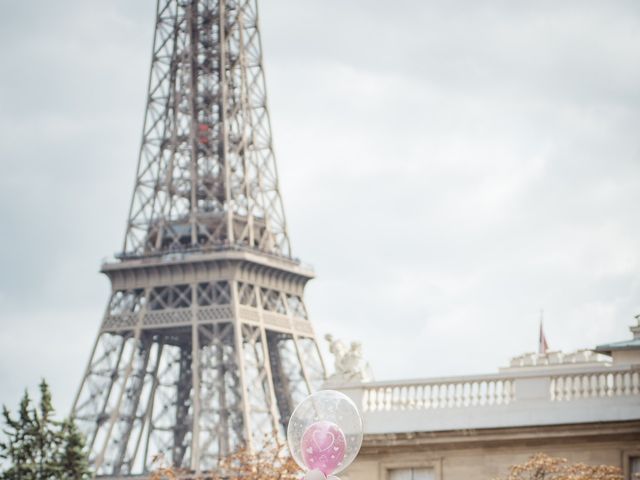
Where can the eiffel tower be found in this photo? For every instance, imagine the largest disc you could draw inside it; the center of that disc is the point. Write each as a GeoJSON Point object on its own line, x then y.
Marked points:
{"type": "Point", "coordinates": [205, 346]}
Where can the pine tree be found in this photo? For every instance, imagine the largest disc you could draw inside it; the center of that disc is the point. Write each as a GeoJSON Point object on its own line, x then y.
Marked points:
{"type": "Point", "coordinates": [37, 447]}
{"type": "Point", "coordinates": [19, 448]}
{"type": "Point", "coordinates": [73, 459]}
{"type": "Point", "coordinates": [48, 436]}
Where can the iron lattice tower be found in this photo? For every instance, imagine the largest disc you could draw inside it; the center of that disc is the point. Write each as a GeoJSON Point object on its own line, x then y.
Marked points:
{"type": "Point", "coordinates": [205, 345]}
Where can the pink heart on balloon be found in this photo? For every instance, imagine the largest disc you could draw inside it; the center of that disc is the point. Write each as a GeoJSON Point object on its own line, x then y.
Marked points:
{"type": "Point", "coordinates": [323, 439]}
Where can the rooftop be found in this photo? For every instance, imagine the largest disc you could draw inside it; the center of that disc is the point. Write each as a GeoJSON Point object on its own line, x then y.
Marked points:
{"type": "Point", "coordinates": [550, 389]}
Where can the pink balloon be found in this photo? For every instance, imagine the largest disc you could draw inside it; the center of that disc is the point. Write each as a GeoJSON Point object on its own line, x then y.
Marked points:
{"type": "Point", "coordinates": [323, 446]}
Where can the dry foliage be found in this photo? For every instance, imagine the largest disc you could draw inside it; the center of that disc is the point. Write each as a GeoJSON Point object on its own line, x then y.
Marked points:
{"type": "Point", "coordinates": [544, 467]}
{"type": "Point", "coordinates": [269, 464]}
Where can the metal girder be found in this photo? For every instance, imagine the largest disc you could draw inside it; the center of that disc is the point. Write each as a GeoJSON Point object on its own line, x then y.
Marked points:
{"type": "Point", "coordinates": [193, 392]}
{"type": "Point", "coordinates": [207, 175]}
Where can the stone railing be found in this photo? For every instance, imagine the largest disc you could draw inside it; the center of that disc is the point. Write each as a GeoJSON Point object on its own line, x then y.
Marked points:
{"type": "Point", "coordinates": [555, 395]}
{"type": "Point", "coordinates": [426, 394]}
{"type": "Point", "coordinates": [594, 385]}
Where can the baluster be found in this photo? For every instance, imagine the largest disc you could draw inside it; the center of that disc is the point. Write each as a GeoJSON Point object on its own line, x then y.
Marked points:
{"type": "Point", "coordinates": [428, 392]}
{"type": "Point", "coordinates": [626, 383]}
{"type": "Point", "coordinates": [510, 391]}
{"type": "Point", "coordinates": [500, 392]}
{"type": "Point", "coordinates": [492, 389]}
{"type": "Point", "coordinates": [553, 385]}
{"type": "Point", "coordinates": [579, 385]}
{"type": "Point", "coordinates": [584, 386]}
{"type": "Point", "coordinates": [562, 388]}
{"type": "Point", "coordinates": [487, 393]}
{"type": "Point", "coordinates": [618, 390]}
{"type": "Point", "coordinates": [395, 398]}
{"type": "Point", "coordinates": [419, 396]}
{"type": "Point", "coordinates": [575, 387]}
{"type": "Point", "coordinates": [483, 392]}
{"type": "Point", "coordinates": [381, 399]}
{"type": "Point", "coordinates": [635, 383]}
{"type": "Point", "coordinates": [411, 397]}
{"type": "Point", "coordinates": [434, 395]}
{"type": "Point", "coordinates": [593, 385]}
{"type": "Point", "coordinates": [459, 394]}
{"type": "Point", "coordinates": [567, 388]}
{"type": "Point", "coordinates": [447, 395]}
{"type": "Point", "coordinates": [614, 385]}
{"type": "Point", "coordinates": [424, 396]}
{"type": "Point", "coordinates": [391, 398]}
{"type": "Point", "coordinates": [602, 385]}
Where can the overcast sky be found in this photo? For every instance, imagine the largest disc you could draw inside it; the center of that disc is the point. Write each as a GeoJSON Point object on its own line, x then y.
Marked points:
{"type": "Point", "coordinates": [449, 168]}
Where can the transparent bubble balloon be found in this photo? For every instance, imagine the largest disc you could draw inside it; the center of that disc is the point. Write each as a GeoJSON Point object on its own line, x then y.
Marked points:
{"type": "Point", "coordinates": [325, 432]}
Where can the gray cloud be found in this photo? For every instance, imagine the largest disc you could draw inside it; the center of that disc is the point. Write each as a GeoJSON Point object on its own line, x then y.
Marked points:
{"type": "Point", "coordinates": [449, 168]}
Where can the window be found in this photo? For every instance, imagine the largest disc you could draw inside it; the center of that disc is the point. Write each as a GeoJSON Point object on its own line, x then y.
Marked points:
{"type": "Point", "coordinates": [411, 474]}
{"type": "Point", "coordinates": [634, 468]}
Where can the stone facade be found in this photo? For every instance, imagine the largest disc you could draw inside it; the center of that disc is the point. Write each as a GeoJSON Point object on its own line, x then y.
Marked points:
{"type": "Point", "coordinates": [488, 453]}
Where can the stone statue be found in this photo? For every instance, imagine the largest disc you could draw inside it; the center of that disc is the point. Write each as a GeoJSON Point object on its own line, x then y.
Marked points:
{"type": "Point", "coordinates": [349, 365]}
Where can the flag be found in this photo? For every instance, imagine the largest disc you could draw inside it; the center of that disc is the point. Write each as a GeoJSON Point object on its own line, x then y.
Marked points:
{"type": "Point", "coordinates": [543, 346]}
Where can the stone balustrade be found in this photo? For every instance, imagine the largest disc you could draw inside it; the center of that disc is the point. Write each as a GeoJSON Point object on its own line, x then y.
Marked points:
{"type": "Point", "coordinates": [614, 383]}
{"type": "Point", "coordinates": [466, 392]}
{"type": "Point", "coordinates": [521, 397]}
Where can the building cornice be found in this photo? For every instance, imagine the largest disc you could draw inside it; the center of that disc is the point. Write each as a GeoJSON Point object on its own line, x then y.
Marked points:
{"type": "Point", "coordinates": [496, 437]}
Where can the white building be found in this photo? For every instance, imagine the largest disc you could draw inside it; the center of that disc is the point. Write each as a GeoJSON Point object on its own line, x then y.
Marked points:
{"type": "Point", "coordinates": [583, 406]}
